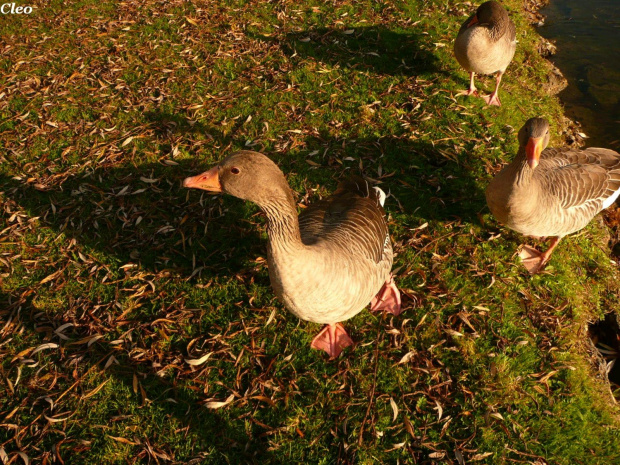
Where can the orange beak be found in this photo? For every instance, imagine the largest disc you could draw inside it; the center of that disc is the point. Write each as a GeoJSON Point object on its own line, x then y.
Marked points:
{"type": "Point", "coordinates": [532, 149]}
{"type": "Point", "coordinates": [473, 21]}
{"type": "Point", "coordinates": [208, 181]}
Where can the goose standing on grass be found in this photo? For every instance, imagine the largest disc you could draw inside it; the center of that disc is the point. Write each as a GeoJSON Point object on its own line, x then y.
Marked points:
{"type": "Point", "coordinates": [486, 44]}
{"type": "Point", "coordinates": [552, 192]}
{"type": "Point", "coordinates": [325, 265]}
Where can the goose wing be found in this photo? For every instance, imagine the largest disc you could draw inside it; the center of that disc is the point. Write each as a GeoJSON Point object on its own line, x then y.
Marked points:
{"type": "Point", "coordinates": [352, 218]}
{"type": "Point", "coordinates": [582, 178]}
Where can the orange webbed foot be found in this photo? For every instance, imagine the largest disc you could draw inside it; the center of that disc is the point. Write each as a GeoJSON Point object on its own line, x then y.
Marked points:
{"type": "Point", "coordinates": [532, 259]}
{"type": "Point", "coordinates": [332, 339]}
{"type": "Point", "coordinates": [387, 299]}
{"type": "Point", "coordinates": [492, 99]}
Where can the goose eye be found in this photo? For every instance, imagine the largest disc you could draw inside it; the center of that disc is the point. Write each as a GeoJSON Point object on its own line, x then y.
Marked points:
{"type": "Point", "coordinates": [234, 170]}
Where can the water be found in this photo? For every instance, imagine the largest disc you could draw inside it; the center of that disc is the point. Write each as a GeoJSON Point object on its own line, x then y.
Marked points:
{"type": "Point", "coordinates": [587, 34]}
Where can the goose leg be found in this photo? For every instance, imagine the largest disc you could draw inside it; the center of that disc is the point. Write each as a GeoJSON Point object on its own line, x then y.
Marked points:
{"type": "Point", "coordinates": [493, 99]}
{"type": "Point", "coordinates": [332, 339]}
{"type": "Point", "coordinates": [387, 299]}
{"type": "Point", "coordinates": [533, 260]}
{"type": "Point", "coordinates": [472, 87]}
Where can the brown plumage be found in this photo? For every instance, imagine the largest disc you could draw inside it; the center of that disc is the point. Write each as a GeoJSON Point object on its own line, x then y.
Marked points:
{"type": "Point", "coordinates": [325, 265]}
{"type": "Point", "coordinates": [552, 192]}
{"type": "Point", "coordinates": [486, 44]}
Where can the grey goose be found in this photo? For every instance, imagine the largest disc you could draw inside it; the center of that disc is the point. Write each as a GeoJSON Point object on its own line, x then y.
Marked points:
{"type": "Point", "coordinates": [326, 264]}
{"type": "Point", "coordinates": [486, 44]}
{"type": "Point", "coordinates": [552, 192]}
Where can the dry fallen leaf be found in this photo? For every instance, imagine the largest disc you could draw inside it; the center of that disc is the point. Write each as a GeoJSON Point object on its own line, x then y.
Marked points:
{"type": "Point", "coordinates": [408, 356]}
{"type": "Point", "coordinates": [215, 405]}
{"type": "Point", "coordinates": [198, 361]}
{"type": "Point", "coordinates": [394, 408]}
{"type": "Point", "coordinates": [49, 345]}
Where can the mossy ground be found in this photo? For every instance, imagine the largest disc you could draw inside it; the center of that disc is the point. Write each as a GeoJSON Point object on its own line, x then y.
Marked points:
{"type": "Point", "coordinates": [118, 276]}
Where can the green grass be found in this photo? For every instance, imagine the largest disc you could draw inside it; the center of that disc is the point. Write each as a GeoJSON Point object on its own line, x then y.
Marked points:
{"type": "Point", "coordinates": [107, 107]}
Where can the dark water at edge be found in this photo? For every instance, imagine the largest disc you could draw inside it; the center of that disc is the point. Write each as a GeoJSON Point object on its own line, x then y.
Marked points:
{"type": "Point", "coordinates": [587, 34]}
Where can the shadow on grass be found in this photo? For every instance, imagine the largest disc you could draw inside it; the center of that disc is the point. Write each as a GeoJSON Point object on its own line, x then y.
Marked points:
{"type": "Point", "coordinates": [432, 181]}
{"type": "Point", "coordinates": [165, 123]}
{"type": "Point", "coordinates": [369, 48]}
{"type": "Point", "coordinates": [143, 216]}
{"type": "Point", "coordinates": [218, 439]}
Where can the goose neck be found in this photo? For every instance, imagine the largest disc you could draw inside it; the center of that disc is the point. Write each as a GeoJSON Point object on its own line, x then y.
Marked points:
{"type": "Point", "coordinates": [522, 170]}
{"type": "Point", "coordinates": [282, 222]}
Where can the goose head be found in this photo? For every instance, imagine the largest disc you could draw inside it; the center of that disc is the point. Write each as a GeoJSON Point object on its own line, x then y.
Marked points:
{"type": "Point", "coordinates": [489, 14]}
{"type": "Point", "coordinates": [247, 175]}
{"type": "Point", "coordinates": [533, 139]}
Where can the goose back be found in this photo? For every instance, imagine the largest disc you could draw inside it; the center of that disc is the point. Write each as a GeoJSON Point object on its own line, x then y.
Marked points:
{"type": "Point", "coordinates": [353, 218]}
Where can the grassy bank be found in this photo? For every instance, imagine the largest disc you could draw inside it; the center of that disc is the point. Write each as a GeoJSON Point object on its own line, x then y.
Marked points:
{"type": "Point", "coordinates": [137, 321]}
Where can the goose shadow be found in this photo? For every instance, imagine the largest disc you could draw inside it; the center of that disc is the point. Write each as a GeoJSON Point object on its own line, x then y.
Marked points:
{"type": "Point", "coordinates": [141, 216]}
{"type": "Point", "coordinates": [434, 181]}
{"type": "Point", "coordinates": [215, 434]}
{"type": "Point", "coordinates": [367, 48]}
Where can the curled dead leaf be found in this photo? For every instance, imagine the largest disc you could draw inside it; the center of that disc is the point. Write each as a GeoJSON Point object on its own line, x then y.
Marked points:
{"type": "Point", "coordinates": [394, 409]}
{"type": "Point", "coordinates": [408, 356]}
{"type": "Point", "coordinates": [124, 441]}
{"type": "Point", "coordinates": [215, 405]}
{"type": "Point", "coordinates": [49, 345]}
{"type": "Point", "coordinates": [56, 419]}
{"type": "Point", "coordinates": [198, 361]}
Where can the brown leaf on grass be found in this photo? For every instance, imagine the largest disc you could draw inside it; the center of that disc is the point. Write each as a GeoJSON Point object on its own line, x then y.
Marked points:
{"type": "Point", "coordinates": [13, 412]}
{"type": "Point", "coordinates": [394, 409]}
{"type": "Point", "coordinates": [96, 390]}
{"type": "Point", "coordinates": [124, 441]}
{"type": "Point", "coordinates": [408, 356]}
{"type": "Point", "coordinates": [409, 427]}
{"type": "Point", "coordinates": [439, 409]}
{"type": "Point", "coordinates": [548, 376]}
{"type": "Point", "coordinates": [264, 399]}
{"type": "Point", "coordinates": [215, 405]}
{"type": "Point", "coordinates": [198, 361]}
{"type": "Point", "coordinates": [54, 275]}
{"type": "Point", "coordinates": [49, 345]}
{"type": "Point", "coordinates": [55, 419]}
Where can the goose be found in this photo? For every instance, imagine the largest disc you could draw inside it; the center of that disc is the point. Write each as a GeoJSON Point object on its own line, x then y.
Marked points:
{"type": "Point", "coordinates": [552, 192]}
{"type": "Point", "coordinates": [326, 264]}
{"type": "Point", "coordinates": [486, 44]}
